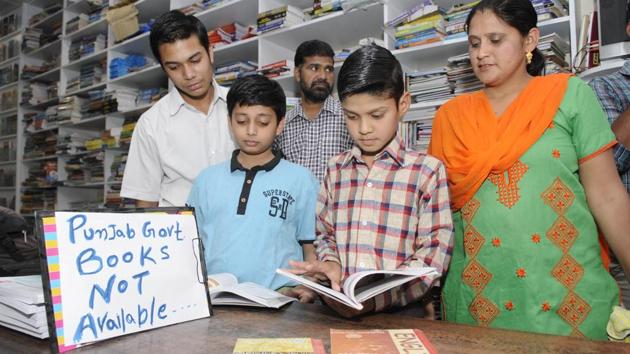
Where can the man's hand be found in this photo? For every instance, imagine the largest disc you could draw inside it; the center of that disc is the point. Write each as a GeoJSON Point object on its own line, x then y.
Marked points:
{"type": "Point", "coordinates": [322, 271]}
{"type": "Point", "coordinates": [300, 292]}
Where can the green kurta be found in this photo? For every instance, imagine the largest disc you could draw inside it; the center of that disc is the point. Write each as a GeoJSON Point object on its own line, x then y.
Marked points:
{"type": "Point", "coordinates": [526, 254]}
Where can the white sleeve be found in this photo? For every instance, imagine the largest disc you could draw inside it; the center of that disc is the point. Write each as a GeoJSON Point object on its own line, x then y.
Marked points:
{"type": "Point", "coordinates": [143, 170]}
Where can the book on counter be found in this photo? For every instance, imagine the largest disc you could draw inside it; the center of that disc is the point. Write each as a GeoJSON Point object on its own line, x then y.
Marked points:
{"type": "Point", "coordinates": [22, 305]}
{"type": "Point", "coordinates": [225, 289]}
{"type": "Point", "coordinates": [382, 341]}
{"type": "Point", "coordinates": [360, 286]}
{"type": "Point", "coordinates": [278, 345]}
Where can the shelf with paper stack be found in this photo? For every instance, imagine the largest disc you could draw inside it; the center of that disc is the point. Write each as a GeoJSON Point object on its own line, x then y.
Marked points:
{"type": "Point", "coordinates": [280, 44]}
{"type": "Point", "coordinates": [426, 52]}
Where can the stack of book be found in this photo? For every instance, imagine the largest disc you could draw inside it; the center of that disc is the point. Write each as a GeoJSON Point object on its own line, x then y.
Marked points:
{"type": "Point", "coordinates": [22, 305]}
{"type": "Point", "coordinates": [77, 23]}
{"type": "Point", "coordinates": [126, 133]}
{"type": "Point", "coordinates": [125, 98]}
{"type": "Point", "coordinates": [86, 46]}
{"type": "Point", "coordinates": [8, 150]}
{"type": "Point", "coordinates": [418, 25]}
{"type": "Point", "coordinates": [415, 128]}
{"type": "Point", "coordinates": [230, 33]}
{"type": "Point", "coordinates": [8, 99]}
{"type": "Point", "coordinates": [9, 24]}
{"type": "Point", "coordinates": [30, 39]}
{"type": "Point", "coordinates": [455, 18]}
{"type": "Point", "coordinates": [97, 102]}
{"type": "Point", "coordinates": [461, 76]}
{"type": "Point", "coordinates": [35, 121]}
{"type": "Point", "coordinates": [92, 74]}
{"type": "Point", "coordinates": [555, 50]}
{"type": "Point", "coordinates": [323, 8]}
{"type": "Point", "coordinates": [199, 6]}
{"type": "Point", "coordinates": [37, 199]}
{"type": "Point", "coordinates": [37, 92]}
{"type": "Point", "coordinates": [9, 74]}
{"type": "Point", "coordinates": [548, 9]}
{"type": "Point", "coordinates": [72, 143]}
{"type": "Point", "coordinates": [227, 73]}
{"type": "Point", "coordinates": [429, 85]}
{"type": "Point", "coordinates": [283, 16]}
{"type": "Point", "coordinates": [30, 71]}
{"type": "Point", "coordinates": [42, 144]}
{"type": "Point", "coordinates": [122, 66]}
{"type": "Point", "coordinates": [117, 168]}
{"type": "Point", "coordinates": [150, 95]}
{"type": "Point", "coordinates": [69, 109]}
{"type": "Point", "coordinates": [85, 168]}
{"type": "Point", "coordinates": [277, 68]}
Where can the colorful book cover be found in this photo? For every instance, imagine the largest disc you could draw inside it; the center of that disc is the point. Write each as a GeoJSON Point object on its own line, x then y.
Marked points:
{"type": "Point", "coordinates": [279, 345]}
{"type": "Point", "coordinates": [381, 341]}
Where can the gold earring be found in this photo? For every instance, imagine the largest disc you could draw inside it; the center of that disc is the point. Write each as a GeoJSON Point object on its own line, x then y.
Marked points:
{"type": "Point", "coordinates": [528, 57]}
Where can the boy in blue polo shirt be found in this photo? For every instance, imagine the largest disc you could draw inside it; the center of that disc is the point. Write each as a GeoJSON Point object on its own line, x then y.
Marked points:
{"type": "Point", "coordinates": [256, 211]}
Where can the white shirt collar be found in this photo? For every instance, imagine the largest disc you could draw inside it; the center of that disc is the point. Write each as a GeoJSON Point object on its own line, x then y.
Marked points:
{"type": "Point", "coordinates": [176, 101]}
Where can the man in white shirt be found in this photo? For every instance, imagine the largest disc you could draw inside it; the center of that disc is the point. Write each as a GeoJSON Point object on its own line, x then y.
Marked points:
{"type": "Point", "coordinates": [187, 130]}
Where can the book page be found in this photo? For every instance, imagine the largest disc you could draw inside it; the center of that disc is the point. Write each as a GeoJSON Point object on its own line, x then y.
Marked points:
{"type": "Point", "coordinates": [249, 294]}
{"type": "Point", "coordinates": [393, 279]}
{"type": "Point", "coordinates": [320, 289]}
{"type": "Point", "coordinates": [221, 279]}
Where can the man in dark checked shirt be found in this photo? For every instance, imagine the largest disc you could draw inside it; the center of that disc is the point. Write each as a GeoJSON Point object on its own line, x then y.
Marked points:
{"type": "Point", "coordinates": [315, 129]}
{"type": "Point", "coordinates": [613, 92]}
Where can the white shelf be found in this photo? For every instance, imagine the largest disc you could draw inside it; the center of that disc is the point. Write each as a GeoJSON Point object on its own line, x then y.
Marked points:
{"type": "Point", "coordinates": [246, 49]}
{"type": "Point", "coordinates": [427, 104]}
{"type": "Point", "coordinates": [10, 35]}
{"type": "Point", "coordinates": [52, 48]}
{"type": "Point", "coordinates": [43, 130]}
{"type": "Point", "coordinates": [136, 111]}
{"type": "Point", "coordinates": [605, 67]}
{"type": "Point", "coordinates": [9, 85]}
{"type": "Point", "coordinates": [136, 45]}
{"type": "Point", "coordinates": [96, 122]}
{"type": "Point", "coordinates": [241, 11]}
{"type": "Point", "coordinates": [50, 19]}
{"type": "Point", "coordinates": [96, 27]}
{"type": "Point", "coordinates": [435, 54]}
{"type": "Point", "coordinates": [48, 76]}
{"type": "Point", "coordinates": [92, 58]}
{"type": "Point", "coordinates": [86, 89]}
{"type": "Point", "coordinates": [43, 104]}
{"type": "Point", "coordinates": [9, 61]}
{"type": "Point", "coordinates": [8, 112]}
{"type": "Point", "coordinates": [39, 159]}
{"type": "Point", "coordinates": [5, 189]}
{"type": "Point", "coordinates": [151, 76]}
{"type": "Point", "coordinates": [7, 163]}
{"type": "Point", "coordinates": [8, 137]}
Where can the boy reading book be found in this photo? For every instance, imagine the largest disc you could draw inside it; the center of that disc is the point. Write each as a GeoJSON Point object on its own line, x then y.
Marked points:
{"type": "Point", "coordinates": [256, 211]}
{"type": "Point", "coordinates": [380, 206]}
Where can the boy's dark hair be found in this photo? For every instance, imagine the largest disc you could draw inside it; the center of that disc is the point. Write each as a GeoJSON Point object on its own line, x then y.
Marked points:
{"type": "Point", "coordinates": [311, 48]}
{"type": "Point", "coordinates": [257, 90]}
{"type": "Point", "coordinates": [373, 70]}
{"type": "Point", "coordinates": [519, 14]}
{"type": "Point", "coordinates": [174, 26]}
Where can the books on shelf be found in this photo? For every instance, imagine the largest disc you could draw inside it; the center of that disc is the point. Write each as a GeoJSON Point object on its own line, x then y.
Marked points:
{"type": "Point", "coordinates": [22, 305]}
{"type": "Point", "coordinates": [420, 24]}
{"type": "Point", "coordinates": [322, 8]}
{"type": "Point", "coordinates": [227, 73]}
{"type": "Point", "coordinates": [278, 345]}
{"type": "Point", "coordinates": [355, 291]}
{"type": "Point", "coordinates": [550, 9]}
{"type": "Point", "coordinates": [283, 16]}
{"type": "Point", "coordinates": [277, 68]}
{"type": "Point", "coordinates": [119, 67]}
{"type": "Point", "coordinates": [226, 290]}
{"type": "Point", "coordinates": [230, 33]}
{"type": "Point", "coordinates": [455, 26]}
{"type": "Point", "coordinates": [356, 341]}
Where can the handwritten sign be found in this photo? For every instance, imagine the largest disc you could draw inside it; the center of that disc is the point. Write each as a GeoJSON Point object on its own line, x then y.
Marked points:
{"type": "Point", "coordinates": [111, 274]}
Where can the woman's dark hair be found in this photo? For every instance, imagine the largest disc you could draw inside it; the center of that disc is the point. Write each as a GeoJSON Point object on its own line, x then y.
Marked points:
{"type": "Point", "coordinates": [312, 48]}
{"type": "Point", "coordinates": [174, 26]}
{"type": "Point", "coordinates": [257, 90]}
{"type": "Point", "coordinates": [519, 14]}
{"type": "Point", "coordinates": [371, 69]}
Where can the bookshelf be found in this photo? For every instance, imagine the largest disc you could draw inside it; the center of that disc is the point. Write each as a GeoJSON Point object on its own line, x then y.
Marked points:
{"type": "Point", "coordinates": [340, 29]}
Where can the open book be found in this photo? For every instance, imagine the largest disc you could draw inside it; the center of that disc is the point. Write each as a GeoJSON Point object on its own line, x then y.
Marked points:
{"type": "Point", "coordinates": [352, 295]}
{"type": "Point", "coordinates": [225, 290]}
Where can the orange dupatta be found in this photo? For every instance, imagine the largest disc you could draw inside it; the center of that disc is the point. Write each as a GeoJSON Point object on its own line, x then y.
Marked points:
{"type": "Point", "coordinates": [473, 143]}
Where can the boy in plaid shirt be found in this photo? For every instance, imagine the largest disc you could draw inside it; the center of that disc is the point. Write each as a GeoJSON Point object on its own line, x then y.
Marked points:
{"type": "Point", "coordinates": [380, 206]}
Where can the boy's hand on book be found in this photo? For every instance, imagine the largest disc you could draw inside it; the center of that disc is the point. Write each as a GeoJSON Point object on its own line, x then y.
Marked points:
{"type": "Point", "coordinates": [323, 271]}
{"type": "Point", "coordinates": [302, 293]}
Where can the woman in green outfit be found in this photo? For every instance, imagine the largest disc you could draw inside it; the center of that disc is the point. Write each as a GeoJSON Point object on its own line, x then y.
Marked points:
{"type": "Point", "coordinates": [531, 177]}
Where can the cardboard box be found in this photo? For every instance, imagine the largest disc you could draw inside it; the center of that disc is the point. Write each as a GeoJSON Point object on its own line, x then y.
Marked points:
{"type": "Point", "coordinates": [124, 21]}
